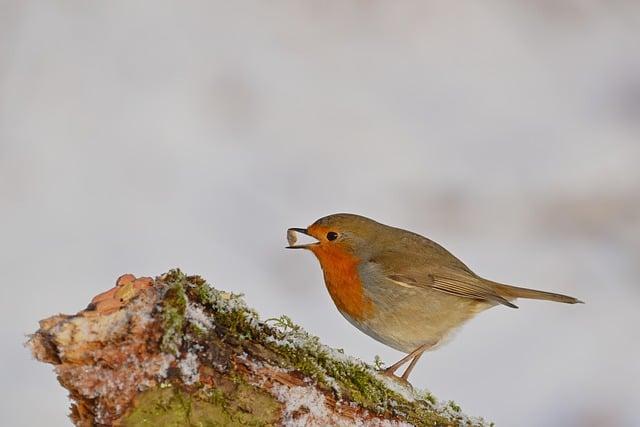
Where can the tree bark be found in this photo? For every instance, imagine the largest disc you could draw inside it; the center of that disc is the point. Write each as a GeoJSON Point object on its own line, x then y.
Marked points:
{"type": "Point", "coordinates": [175, 351]}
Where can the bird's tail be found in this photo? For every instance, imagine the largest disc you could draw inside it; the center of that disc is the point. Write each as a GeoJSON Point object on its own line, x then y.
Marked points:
{"type": "Point", "coordinates": [510, 292]}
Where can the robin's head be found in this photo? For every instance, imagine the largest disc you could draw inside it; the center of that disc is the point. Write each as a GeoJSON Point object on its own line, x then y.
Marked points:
{"type": "Point", "coordinates": [339, 232]}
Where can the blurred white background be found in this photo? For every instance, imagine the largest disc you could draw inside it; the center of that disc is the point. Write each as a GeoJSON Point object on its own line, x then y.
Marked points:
{"type": "Point", "coordinates": [138, 136]}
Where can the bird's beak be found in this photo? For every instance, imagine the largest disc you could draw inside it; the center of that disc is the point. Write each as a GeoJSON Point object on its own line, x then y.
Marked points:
{"type": "Point", "coordinates": [292, 238]}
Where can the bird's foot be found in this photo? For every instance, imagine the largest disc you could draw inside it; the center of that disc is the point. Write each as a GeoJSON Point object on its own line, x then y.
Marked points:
{"type": "Point", "coordinates": [390, 372]}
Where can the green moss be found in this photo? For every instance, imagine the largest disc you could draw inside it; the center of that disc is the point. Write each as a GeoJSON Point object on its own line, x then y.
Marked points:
{"type": "Point", "coordinates": [160, 406]}
{"type": "Point", "coordinates": [454, 406]}
{"type": "Point", "coordinates": [242, 406]}
{"type": "Point", "coordinates": [173, 309]}
{"type": "Point", "coordinates": [378, 363]}
{"type": "Point", "coordinates": [229, 310]}
{"type": "Point", "coordinates": [281, 342]}
{"type": "Point", "coordinates": [196, 331]}
{"type": "Point", "coordinates": [357, 383]}
{"type": "Point", "coordinates": [203, 291]}
{"type": "Point", "coordinates": [348, 378]}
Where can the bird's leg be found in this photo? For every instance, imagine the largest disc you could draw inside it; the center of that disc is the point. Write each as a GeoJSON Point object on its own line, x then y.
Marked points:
{"type": "Point", "coordinates": [390, 371]}
{"type": "Point", "coordinates": [405, 375]}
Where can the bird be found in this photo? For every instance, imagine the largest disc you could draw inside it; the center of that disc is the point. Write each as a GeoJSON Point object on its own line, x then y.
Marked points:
{"type": "Point", "coordinates": [400, 288]}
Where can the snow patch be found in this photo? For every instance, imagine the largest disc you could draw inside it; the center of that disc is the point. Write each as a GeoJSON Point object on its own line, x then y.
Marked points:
{"type": "Point", "coordinates": [196, 315]}
{"type": "Point", "coordinates": [189, 368]}
{"type": "Point", "coordinates": [302, 405]}
{"type": "Point", "coordinates": [164, 364]}
{"type": "Point", "coordinates": [393, 385]}
{"type": "Point", "coordinates": [305, 406]}
{"type": "Point", "coordinates": [451, 411]}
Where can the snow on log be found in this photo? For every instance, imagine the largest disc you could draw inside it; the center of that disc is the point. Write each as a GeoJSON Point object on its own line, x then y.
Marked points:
{"type": "Point", "coordinates": [175, 351]}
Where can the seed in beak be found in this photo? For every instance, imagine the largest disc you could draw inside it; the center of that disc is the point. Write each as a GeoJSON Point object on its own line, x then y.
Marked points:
{"type": "Point", "coordinates": [292, 237]}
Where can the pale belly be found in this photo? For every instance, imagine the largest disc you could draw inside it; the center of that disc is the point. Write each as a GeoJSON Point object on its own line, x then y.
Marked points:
{"type": "Point", "coordinates": [405, 318]}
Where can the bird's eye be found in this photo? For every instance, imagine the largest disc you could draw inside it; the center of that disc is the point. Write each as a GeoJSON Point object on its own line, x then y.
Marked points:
{"type": "Point", "coordinates": [332, 235]}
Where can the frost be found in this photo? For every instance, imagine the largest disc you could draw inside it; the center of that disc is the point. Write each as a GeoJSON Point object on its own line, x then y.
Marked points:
{"type": "Point", "coordinates": [302, 405]}
{"type": "Point", "coordinates": [401, 389]}
{"type": "Point", "coordinates": [189, 368]}
{"type": "Point", "coordinates": [452, 411]}
{"type": "Point", "coordinates": [164, 365]}
{"type": "Point", "coordinates": [196, 315]}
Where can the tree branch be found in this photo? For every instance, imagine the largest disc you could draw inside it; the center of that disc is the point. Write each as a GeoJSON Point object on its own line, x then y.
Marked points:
{"type": "Point", "coordinates": [175, 351]}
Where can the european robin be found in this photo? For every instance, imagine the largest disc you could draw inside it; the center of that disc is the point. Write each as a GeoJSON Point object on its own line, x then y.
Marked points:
{"type": "Point", "coordinates": [399, 287]}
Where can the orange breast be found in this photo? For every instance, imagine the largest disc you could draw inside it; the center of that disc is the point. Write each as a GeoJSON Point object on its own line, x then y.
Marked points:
{"type": "Point", "coordinates": [343, 281]}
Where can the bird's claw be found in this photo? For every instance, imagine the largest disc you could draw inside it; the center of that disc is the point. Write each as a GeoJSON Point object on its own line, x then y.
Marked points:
{"type": "Point", "coordinates": [389, 372]}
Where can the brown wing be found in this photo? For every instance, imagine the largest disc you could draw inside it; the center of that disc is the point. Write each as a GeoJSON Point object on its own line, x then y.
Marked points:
{"type": "Point", "coordinates": [463, 284]}
{"type": "Point", "coordinates": [454, 278]}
